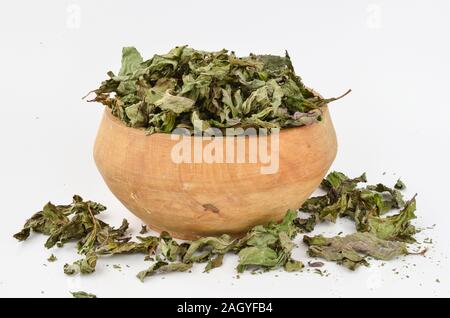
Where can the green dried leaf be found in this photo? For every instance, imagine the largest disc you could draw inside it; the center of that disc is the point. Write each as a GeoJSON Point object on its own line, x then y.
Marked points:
{"type": "Point", "coordinates": [52, 258]}
{"type": "Point", "coordinates": [163, 267]}
{"type": "Point", "coordinates": [216, 245]}
{"type": "Point", "coordinates": [143, 230]}
{"type": "Point", "coordinates": [83, 266]}
{"type": "Point", "coordinates": [130, 61]}
{"type": "Point", "coordinates": [54, 221]}
{"type": "Point", "coordinates": [257, 256]}
{"type": "Point", "coordinates": [214, 262]}
{"type": "Point", "coordinates": [396, 227]}
{"type": "Point", "coordinates": [176, 104]}
{"type": "Point", "coordinates": [169, 249]}
{"type": "Point", "coordinates": [339, 182]}
{"type": "Point", "coordinates": [76, 222]}
{"type": "Point", "coordinates": [352, 249]}
{"type": "Point", "coordinates": [265, 247]}
{"type": "Point", "coordinates": [399, 185]}
{"type": "Point", "coordinates": [293, 266]}
{"type": "Point", "coordinates": [306, 225]}
{"type": "Point", "coordinates": [82, 294]}
{"type": "Point", "coordinates": [344, 198]}
{"type": "Point", "coordinates": [268, 246]}
{"type": "Point", "coordinates": [395, 200]}
{"type": "Point", "coordinates": [145, 245]}
{"type": "Point", "coordinates": [23, 234]}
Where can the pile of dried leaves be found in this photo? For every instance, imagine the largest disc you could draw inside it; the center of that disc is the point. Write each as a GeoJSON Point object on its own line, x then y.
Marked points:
{"type": "Point", "coordinates": [263, 247]}
{"type": "Point", "coordinates": [181, 87]}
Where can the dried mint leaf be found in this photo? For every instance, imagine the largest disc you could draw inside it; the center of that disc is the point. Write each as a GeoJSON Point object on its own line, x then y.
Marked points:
{"type": "Point", "coordinates": [54, 221]}
{"type": "Point", "coordinates": [213, 245]}
{"type": "Point", "coordinates": [82, 294]}
{"type": "Point", "coordinates": [143, 230]}
{"type": "Point", "coordinates": [83, 266]}
{"type": "Point", "coordinates": [144, 245]}
{"type": "Point", "coordinates": [264, 247]}
{"type": "Point", "coordinates": [380, 237]}
{"type": "Point", "coordinates": [293, 266]}
{"type": "Point", "coordinates": [173, 90]}
{"type": "Point", "coordinates": [399, 185]}
{"type": "Point", "coordinates": [351, 250]}
{"type": "Point", "coordinates": [214, 262]}
{"type": "Point", "coordinates": [163, 267]}
{"type": "Point", "coordinates": [76, 221]}
{"type": "Point", "coordinates": [269, 246]}
{"type": "Point", "coordinates": [306, 225]}
{"type": "Point", "coordinates": [396, 227]}
{"type": "Point", "coordinates": [345, 198]}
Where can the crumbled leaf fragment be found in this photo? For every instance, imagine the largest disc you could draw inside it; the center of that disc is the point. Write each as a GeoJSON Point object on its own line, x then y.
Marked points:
{"type": "Point", "coordinates": [214, 262]}
{"type": "Point", "coordinates": [143, 230]}
{"type": "Point", "coordinates": [315, 264]}
{"type": "Point", "coordinates": [52, 258]}
{"type": "Point", "coordinates": [82, 294]}
{"type": "Point", "coordinates": [293, 266]}
{"type": "Point", "coordinates": [399, 185]}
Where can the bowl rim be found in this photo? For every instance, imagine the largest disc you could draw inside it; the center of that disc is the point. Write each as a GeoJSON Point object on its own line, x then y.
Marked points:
{"type": "Point", "coordinates": [141, 131]}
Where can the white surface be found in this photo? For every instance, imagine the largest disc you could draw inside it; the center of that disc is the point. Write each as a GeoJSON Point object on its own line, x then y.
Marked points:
{"type": "Point", "coordinates": [393, 54]}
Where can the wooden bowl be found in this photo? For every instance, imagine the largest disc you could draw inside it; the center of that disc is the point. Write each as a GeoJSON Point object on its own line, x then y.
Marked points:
{"type": "Point", "coordinates": [191, 200]}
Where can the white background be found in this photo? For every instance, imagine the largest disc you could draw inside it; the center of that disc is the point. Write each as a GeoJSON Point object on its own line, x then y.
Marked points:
{"type": "Point", "coordinates": [393, 54]}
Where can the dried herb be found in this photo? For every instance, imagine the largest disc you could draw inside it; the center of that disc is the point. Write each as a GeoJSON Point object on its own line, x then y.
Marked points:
{"type": "Point", "coordinates": [144, 245]}
{"type": "Point", "coordinates": [378, 236]}
{"type": "Point", "coordinates": [264, 247]}
{"type": "Point", "coordinates": [163, 267]}
{"type": "Point", "coordinates": [293, 266]}
{"type": "Point", "coordinates": [84, 266]}
{"type": "Point", "coordinates": [214, 262]}
{"type": "Point", "coordinates": [173, 90]}
{"type": "Point", "coordinates": [315, 264]}
{"type": "Point", "coordinates": [143, 230]}
{"type": "Point", "coordinates": [52, 258]}
{"type": "Point", "coordinates": [344, 198]}
{"type": "Point", "coordinates": [351, 250]}
{"type": "Point", "coordinates": [399, 185]}
{"type": "Point", "coordinates": [269, 246]}
{"type": "Point", "coordinates": [75, 222]}
{"type": "Point", "coordinates": [395, 227]}
{"type": "Point", "coordinates": [82, 294]}
{"type": "Point", "coordinates": [307, 225]}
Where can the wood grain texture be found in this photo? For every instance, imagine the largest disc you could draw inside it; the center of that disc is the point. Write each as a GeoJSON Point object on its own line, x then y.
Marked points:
{"type": "Point", "coordinates": [190, 200]}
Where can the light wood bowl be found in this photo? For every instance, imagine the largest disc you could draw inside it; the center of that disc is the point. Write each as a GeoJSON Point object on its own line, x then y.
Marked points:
{"type": "Point", "coordinates": [191, 200]}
